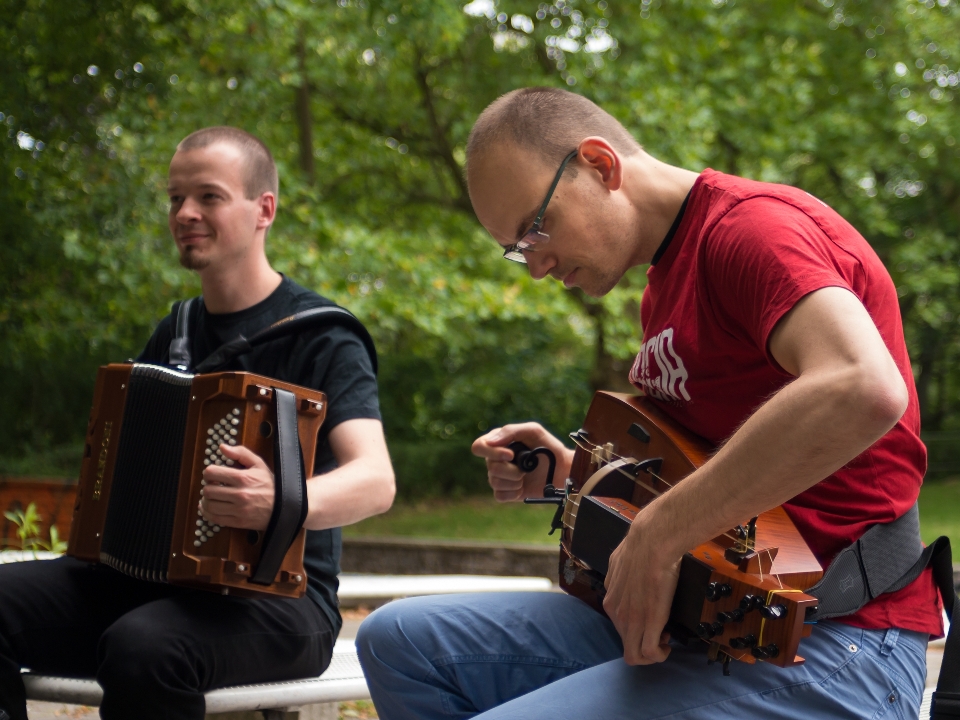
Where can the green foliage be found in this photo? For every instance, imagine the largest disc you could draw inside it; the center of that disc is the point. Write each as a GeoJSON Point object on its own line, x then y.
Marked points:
{"type": "Point", "coordinates": [28, 531]}
{"type": "Point", "coordinates": [486, 519]}
{"type": "Point", "coordinates": [367, 105]}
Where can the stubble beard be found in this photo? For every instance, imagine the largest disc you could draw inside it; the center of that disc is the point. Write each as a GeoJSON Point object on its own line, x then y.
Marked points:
{"type": "Point", "coordinates": [191, 260]}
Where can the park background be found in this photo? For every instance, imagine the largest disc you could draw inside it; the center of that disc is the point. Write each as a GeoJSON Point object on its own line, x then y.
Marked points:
{"type": "Point", "coordinates": [367, 106]}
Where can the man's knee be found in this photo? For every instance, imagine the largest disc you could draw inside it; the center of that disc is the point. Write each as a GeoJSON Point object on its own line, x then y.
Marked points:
{"type": "Point", "coordinates": [135, 652]}
{"type": "Point", "coordinates": [378, 631]}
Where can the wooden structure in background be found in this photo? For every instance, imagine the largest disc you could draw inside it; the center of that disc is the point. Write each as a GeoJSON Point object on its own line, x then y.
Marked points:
{"type": "Point", "coordinates": [54, 497]}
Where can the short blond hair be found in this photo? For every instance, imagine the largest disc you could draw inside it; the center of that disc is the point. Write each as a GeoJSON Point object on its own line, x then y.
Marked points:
{"type": "Point", "coordinates": [261, 169]}
{"type": "Point", "coordinates": [550, 121]}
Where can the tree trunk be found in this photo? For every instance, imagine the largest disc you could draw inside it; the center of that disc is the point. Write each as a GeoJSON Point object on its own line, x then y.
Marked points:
{"type": "Point", "coordinates": [930, 417]}
{"type": "Point", "coordinates": [608, 372]}
{"type": "Point", "coordinates": [304, 117]}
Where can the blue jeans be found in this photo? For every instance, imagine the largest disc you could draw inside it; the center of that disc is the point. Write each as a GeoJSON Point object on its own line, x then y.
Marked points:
{"type": "Point", "coordinates": [534, 656]}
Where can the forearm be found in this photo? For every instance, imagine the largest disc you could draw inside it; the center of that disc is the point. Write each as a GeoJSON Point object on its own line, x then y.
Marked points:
{"type": "Point", "coordinates": [804, 433]}
{"type": "Point", "coordinates": [349, 494]}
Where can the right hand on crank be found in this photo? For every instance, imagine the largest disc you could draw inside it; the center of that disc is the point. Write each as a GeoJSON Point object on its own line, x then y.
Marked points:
{"type": "Point", "coordinates": [509, 482]}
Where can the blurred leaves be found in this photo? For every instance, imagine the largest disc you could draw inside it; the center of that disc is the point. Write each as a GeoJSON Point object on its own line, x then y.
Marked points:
{"type": "Point", "coordinates": [367, 105]}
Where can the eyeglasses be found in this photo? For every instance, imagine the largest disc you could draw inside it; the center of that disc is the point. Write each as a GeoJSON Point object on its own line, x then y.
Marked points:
{"type": "Point", "coordinates": [534, 235]}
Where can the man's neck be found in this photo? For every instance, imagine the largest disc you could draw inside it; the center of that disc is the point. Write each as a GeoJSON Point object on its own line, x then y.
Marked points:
{"type": "Point", "coordinates": [228, 290]}
{"type": "Point", "coordinates": [656, 190]}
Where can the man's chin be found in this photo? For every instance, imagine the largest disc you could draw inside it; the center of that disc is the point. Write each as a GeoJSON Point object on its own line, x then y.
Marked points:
{"type": "Point", "coordinates": [192, 261]}
{"type": "Point", "coordinates": [598, 287]}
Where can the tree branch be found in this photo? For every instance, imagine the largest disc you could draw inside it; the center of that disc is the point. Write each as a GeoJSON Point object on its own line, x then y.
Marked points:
{"type": "Point", "coordinates": [440, 139]}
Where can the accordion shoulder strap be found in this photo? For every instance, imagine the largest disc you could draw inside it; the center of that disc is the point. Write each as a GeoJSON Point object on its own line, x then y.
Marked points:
{"type": "Point", "coordinates": [180, 343]}
{"type": "Point", "coordinates": [304, 320]}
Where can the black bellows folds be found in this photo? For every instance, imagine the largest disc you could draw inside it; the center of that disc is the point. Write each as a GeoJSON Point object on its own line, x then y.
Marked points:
{"type": "Point", "coordinates": [143, 494]}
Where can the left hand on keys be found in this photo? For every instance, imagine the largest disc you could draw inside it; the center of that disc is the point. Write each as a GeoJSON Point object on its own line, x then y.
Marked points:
{"type": "Point", "coordinates": [241, 496]}
{"type": "Point", "coordinates": [640, 585]}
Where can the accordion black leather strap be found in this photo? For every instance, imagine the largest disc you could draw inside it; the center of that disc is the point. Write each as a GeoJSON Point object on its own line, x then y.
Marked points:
{"type": "Point", "coordinates": [290, 503]}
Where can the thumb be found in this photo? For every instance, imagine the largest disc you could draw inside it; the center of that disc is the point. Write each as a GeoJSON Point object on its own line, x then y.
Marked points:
{"type": "Point", "coordinates": [244, 456]}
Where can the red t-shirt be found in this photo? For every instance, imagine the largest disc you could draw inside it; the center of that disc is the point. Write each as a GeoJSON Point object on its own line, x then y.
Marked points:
{"type": "Point", "coordinates": [744, 253]}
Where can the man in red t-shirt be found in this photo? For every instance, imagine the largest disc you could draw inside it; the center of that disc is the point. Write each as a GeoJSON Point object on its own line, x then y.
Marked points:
{"type": "Point", "coordinates": [772, 329]}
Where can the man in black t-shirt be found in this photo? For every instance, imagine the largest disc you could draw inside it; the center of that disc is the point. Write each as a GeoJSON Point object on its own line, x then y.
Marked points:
{"type": "Point", "coordinates": [156, 648]}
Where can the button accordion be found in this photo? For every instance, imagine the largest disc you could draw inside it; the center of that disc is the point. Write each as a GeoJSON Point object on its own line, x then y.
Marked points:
{"type": "Point", "coordinates": [151, 433]}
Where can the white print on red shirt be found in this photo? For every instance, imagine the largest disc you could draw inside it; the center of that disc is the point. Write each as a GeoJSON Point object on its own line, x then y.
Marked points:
{"type": "Point", "coordinates": [670, 384]}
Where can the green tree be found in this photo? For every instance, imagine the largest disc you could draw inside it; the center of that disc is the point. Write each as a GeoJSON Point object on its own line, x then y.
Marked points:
{"type": "Point", "coordinates": [367, 105]}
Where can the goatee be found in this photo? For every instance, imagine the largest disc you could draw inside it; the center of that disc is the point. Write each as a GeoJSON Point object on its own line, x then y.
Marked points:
{"type": "Point", "coordinates": [190, 260]}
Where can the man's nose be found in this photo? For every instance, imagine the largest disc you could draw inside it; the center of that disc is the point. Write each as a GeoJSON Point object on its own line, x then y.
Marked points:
{"type": "Point", "coordinates": [539, 264]}
{"type": "Point", "coordinates": [188, 212]}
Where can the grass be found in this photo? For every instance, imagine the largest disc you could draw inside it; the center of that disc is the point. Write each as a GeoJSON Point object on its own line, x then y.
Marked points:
{"type": "Point", "coordinates": [483, 518]}
{"type": "Point", "coordinates": [473, 518]}
{"type": "Point", "coordinates": [940, 512]}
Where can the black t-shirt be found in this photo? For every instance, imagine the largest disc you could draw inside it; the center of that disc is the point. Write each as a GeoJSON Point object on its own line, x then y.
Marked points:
{"type": "Point", "coordinates": [331, 359]}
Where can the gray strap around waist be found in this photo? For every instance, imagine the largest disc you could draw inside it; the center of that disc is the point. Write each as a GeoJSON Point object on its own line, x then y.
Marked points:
{"type": "Point", "coordinates": [888, 557]}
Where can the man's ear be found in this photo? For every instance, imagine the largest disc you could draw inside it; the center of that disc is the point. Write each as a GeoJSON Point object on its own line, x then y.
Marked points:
{"type": "Point", "coordinates": [600, 157]}
{"type": "Point", "coordinates": [268, 210]}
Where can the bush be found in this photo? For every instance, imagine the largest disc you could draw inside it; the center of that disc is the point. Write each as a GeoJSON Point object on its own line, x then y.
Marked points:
{"type": "Point", "coordinates": [437, 468]}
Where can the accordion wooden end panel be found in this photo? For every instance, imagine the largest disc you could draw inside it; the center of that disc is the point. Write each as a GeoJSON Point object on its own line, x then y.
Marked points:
{"type": "Point", "coordinates": [151, 433]}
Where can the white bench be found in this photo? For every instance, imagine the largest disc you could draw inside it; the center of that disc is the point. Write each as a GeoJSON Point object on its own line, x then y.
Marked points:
{"type": "Point", "coordinates": [341, 682]}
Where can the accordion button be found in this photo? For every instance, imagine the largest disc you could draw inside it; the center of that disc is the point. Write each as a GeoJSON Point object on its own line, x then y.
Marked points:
{"type": "Point", "coordinates": [210, 431]}
{"type": "Point", "coordinates": [196, 543]}
{"type": "Point", "coordinates": [233, 431]}
{"type": "Point", "coordinates": [198, 533]}
{"type": "Point", "coordinates": [236, 411]}
{"type": "Point", "coordinates": [209, 533]}
{"type": "Point", "coordinates": [216, 528]}
{"type": "Point", "coordinates": [232, 441]}
{"type": "Point", "coordinates": [199, 522]}
{"type": "Point", "coordinates": [206, 462]}
{"type": "Point", "coordinates": [235, 422]}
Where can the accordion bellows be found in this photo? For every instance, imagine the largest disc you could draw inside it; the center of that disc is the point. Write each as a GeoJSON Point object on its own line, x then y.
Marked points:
{"type": "Point", "coordinates": [152, 431]}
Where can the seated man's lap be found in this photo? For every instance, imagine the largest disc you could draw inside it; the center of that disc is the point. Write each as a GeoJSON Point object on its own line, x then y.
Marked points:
{"type": "Point", "coordinates": [848, 673]}
{"type": "Point", "coordinates": [548, 656]}
{"type": "Point", "coordinates": [467, 653]}
{"type": "Point", "coordinates": [71, 618]}
{"type": "Point", "coordinates": [53, 612]}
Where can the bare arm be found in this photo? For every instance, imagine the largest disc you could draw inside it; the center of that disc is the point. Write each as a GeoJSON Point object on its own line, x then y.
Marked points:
{"type": "Point", "coordinates": [847, 394]}
{"type": "Point", "coordinates": [362, 485]}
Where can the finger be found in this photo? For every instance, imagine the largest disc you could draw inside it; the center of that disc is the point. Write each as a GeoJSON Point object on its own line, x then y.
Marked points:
{"type": "Point", "coordinates": [490, 446]}
{"type": "Point", "coordinates": [507, 495]}
{"type": "Point", "coordinates": [219, 513]}
{"type": "Point", "coordinates": [506, 485]}
{"type": "Point", "coordinates": [223, 475]}
{"type": "Point", "coordinates": [245, 456]}
{"type": "Point", "coordinates": [505, 470]}
{"type": "Point", "coordinates": [654, 647]}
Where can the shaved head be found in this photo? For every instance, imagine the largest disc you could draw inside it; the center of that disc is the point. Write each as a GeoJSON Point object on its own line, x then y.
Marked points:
{"type": "Point", "coordinates": [549, 122]}
{"type": "Point", "coordinates": [260, 169]}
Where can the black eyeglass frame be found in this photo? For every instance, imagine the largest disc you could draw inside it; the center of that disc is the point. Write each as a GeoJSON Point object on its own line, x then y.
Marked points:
{"type": "Point", "coordinates": [514, 252]}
